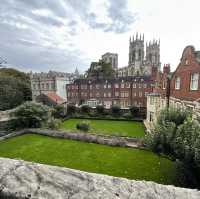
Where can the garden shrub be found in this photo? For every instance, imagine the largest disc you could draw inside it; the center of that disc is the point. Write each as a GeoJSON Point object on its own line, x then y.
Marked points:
{"type": "Point", "coordinates": [100, 109]}
{"type": "Point", "coordinates": [54, 124]}
{"type": "Point", "coordinates": [31, 115]}
{"type": "Point", "coordinates": [85, 109]}
{"type": "Point", "coordinates": [71, 109]}
{"type": "Point", "coordinates": [127, 116]}
{"type": "Point", "coordinates": [116, 111]}
{"type": "Point", "coordinates": [134, 111]}
{"type": "Point", "coordinates": [175, 133]}
{"type": "Point", "coordinates": [83, 126]}
{"type": "Point", "coordinates": [59, 111]}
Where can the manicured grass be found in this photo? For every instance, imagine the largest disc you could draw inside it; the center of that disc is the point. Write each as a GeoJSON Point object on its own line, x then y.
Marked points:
{"type": "Point", "coordinates": [120, 128]}
{"type": "Point", "coordinates": [115, 161]}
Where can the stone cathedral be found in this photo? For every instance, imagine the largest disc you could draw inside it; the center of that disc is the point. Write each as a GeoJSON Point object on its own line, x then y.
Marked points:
{"type": "Point", "coordinates": [141, 62]}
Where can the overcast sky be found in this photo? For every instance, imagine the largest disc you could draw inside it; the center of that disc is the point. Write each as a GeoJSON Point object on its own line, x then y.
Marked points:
{"type": "Point", "coordinates": [61, 35]}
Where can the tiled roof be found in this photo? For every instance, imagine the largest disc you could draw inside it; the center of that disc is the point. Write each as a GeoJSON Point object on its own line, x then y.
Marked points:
{"type": "Point", "coordinates": [55, 98]}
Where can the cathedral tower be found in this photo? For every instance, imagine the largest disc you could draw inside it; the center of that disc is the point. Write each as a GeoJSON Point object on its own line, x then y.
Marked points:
{"type": "Point", "coordinates": [153, 53]}
{"type": "Point", "coordinates": [136, 51]}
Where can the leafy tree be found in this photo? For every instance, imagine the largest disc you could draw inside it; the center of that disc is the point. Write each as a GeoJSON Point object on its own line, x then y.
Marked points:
{"type": "Point", "coordinates": [100, 70]}
{"type": "Point", "coordinates": [10, 93]}
{"type": "Point", "coordinates": [32, 115]}
{"type": "Point", "coordinates": [14, 88]}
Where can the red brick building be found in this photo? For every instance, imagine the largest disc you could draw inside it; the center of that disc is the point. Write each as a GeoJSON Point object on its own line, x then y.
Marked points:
{"type": "Point", "coordinates": [124, 92]}
{"type": "Point", "coordinates": [180, 89]}
{"type": "Point", "coordinates": [185, 84]}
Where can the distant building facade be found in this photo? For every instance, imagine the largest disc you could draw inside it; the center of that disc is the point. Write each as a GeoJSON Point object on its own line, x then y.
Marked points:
{"type": "Point", "coordinates": [124, 92]}
{"type": "Point", "coordinates": [52, 81]}
{"type": "Point", "coordinates": [127, 86]}
{"type": "Point", "coordinates": [180, 89]}
{"type": "Point", "coordinates": [111, 58]}
{"type": "Point", "coordinates": [140, 62]}
{"type": "Point", "coordinates": [159, 98]}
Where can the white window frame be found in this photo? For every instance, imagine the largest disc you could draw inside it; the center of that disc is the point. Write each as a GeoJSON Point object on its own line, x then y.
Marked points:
{"type": "Point", "coordinates": [177, 83]}
{"type": "Point", "coordinates": [194, 81]}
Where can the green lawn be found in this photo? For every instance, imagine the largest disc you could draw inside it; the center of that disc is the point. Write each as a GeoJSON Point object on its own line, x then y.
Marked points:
{"type": "Point", "coordinates": [115, 161]}
{"type": "Point", "coordinates": [120, 128]}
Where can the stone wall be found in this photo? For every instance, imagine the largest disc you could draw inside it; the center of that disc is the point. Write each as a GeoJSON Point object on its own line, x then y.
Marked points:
{"type": "Point", "coordinates": [20, 180]}
{"type": "Point", "coordinates": [85, 137]}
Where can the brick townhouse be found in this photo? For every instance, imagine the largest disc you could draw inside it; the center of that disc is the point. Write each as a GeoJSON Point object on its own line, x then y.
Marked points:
{"type": "Point", "coordinates": [185, 84]}
{"type": "Point", "coordinates": [181, 89]}
{"type": "Point", "coordinates": [124, 92]}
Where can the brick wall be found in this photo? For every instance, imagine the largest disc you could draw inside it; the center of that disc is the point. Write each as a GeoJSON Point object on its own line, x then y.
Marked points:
{"type": "Point", "coordinates": [189, 64]}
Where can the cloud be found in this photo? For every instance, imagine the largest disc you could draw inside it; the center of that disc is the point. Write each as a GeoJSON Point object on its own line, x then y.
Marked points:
{"type": "Point", "coordinates": [43, 34]}
{"type": "Point", "coordinates": [120, 18]}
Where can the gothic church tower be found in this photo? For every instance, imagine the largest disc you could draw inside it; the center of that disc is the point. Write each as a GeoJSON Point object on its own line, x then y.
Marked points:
{"type": "Point", "coordinates": [153, 53]}
{"type": "Point", "coordinates": [136, 51]}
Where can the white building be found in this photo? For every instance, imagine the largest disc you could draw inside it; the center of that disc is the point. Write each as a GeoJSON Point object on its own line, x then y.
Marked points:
{"type": "Point", "coordinates": [43, 83]}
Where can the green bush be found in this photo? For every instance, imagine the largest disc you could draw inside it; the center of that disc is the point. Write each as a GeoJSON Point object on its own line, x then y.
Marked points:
{"type": "Point", "coordinates": [134, 111]}
{"type": "Point", "coordinates": [83, 126]}
{"type": "Point", "coordinates": [100, 109]}
{"type": "Point", "coordinates": [54, 123]}
{"type": "Point", "coordinates": [15, 88]}
{"type": "Point", "coordinates": [71, 109]}
{"type": "Point", "coordinates": [175, 133]}
{"type": "Point", "coordinates": [116, 111]}
{"type": "Point", "coordinates": [127, 116]}
{"type": "Point", "coordinates": [59, 111]}
{"type": "Point", "coordinates": [85, 109]}
{"type": "Point", "coordinates": [174, 115]}
{"type": "Point", "coordinates": [31, 115]}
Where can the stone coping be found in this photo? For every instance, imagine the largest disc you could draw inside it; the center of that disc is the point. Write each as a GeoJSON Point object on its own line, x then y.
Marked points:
{"type": "Point", "coordinates": [20, 179]}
